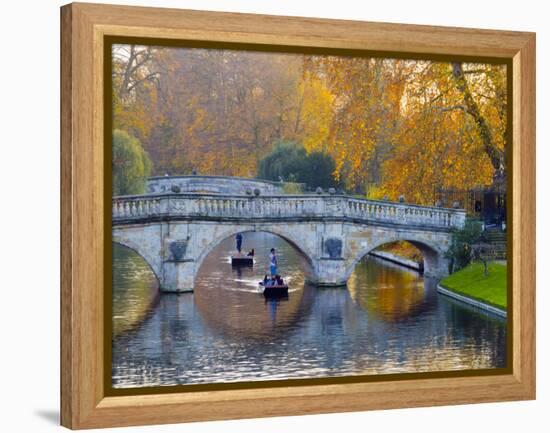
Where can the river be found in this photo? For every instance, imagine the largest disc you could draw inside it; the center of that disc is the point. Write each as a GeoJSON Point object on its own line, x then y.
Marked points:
{"type": "Point", "coordinates": [387, 320]}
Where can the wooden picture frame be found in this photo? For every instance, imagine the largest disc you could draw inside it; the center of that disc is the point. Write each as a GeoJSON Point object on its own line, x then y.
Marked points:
{"type": "Point", "coordinates": [84, 403]}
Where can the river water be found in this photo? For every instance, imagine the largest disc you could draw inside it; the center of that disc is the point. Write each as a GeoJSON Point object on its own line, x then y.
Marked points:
{"type": "Point", "coordinates": [388, 320]}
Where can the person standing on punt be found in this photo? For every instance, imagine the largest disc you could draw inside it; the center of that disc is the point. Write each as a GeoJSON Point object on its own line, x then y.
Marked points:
{"type": "Point", "coordinates": [239, 239]}
{"type": "Point", "coordinates": [273, 262]}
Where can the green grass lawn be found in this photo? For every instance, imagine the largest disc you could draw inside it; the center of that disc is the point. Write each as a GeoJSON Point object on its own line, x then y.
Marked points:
{"type": "Point", "coordinates": [471, 282]}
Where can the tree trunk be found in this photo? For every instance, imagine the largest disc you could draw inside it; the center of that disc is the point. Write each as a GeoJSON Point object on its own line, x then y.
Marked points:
{"type": "Point", "coordinates": [127, 73]}
{"type": "Point", "coordinates": [495, 154]}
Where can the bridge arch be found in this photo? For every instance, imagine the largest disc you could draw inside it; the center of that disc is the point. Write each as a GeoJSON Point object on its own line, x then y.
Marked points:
{"type": "Point", "coordinates": [286, 235]}
{"type": "Point", "coordinates": [435, 263]}
{"type": "Point", "coordinates": [154, 264]}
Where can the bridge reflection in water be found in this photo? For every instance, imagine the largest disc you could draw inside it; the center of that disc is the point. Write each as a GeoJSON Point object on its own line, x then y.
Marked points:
{"type": "Point", "coordinates": [134, 294]}
{"type": "Point", "coordinates": [388, 320]}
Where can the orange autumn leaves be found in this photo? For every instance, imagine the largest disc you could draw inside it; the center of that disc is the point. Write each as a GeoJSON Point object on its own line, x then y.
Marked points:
{"type": "Point", "coordinates": [393, 127]}
{"type": "Point", "coordinates": [403, 128]}
{"type": "Point", "coordinates": [366, 103]}
{"type": "Point", "coordinates": [439, 144]}
{"type": "Point", "coordinates": [430, 155]}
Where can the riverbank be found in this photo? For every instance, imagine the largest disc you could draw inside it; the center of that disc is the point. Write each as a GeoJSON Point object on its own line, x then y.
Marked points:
{"type": "Point", "coordinates": [301, 337]}
{"type": "Point", "coordinates": [471, 286]}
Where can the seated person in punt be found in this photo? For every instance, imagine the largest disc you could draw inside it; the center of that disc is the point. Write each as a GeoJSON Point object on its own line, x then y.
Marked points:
{"type": "Point", "coordinates": [273, 281]}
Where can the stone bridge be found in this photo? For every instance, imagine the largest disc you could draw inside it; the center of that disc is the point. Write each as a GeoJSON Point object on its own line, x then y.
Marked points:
{"type": "Point", "coordinates": [174, 232]}
{"type": "Point", "coordinates": [213, 185]}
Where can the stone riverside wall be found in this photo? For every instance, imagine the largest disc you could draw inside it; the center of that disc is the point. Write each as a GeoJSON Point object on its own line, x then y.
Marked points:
{"type": "Point", "coordinates": [471, 301]}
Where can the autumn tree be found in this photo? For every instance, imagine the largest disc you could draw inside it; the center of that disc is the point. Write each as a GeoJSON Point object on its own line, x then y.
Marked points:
{"type": "Point", "coordinates": [136, 80]}
{"type": "Point", "coordinates": [226, 120]}
{"type": "Point", "coordinates": [391, 126]}
{"type": "Point", "coordinates": [489, 118]}
{"type": "Point", "coordinates": [443, 141]}
{"type": "Point", "coordinates": [365, 95]}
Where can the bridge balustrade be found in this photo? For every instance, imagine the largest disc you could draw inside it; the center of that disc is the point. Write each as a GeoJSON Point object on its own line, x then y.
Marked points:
{"type": "Point", "coordinates": [129, 209]}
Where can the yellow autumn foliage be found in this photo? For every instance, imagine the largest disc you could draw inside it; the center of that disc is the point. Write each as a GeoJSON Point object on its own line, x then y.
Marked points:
{"type": "Point", "coordinates": [393, 126]}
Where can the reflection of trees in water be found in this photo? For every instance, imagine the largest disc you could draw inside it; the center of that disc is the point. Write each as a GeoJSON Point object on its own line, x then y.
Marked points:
{"type": "Point", "coordinates": [390, 292]}
{"type": "Point", "coordinates": [477, 327]}
{"type": "Point", "coordinates": [251, 316]}
{"type": "Point", "coordinates": [229, 300]}
{"type": "Point", "coordinates": [135, 290]}
{"type": "Point", "coordinates": [389, 320]}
